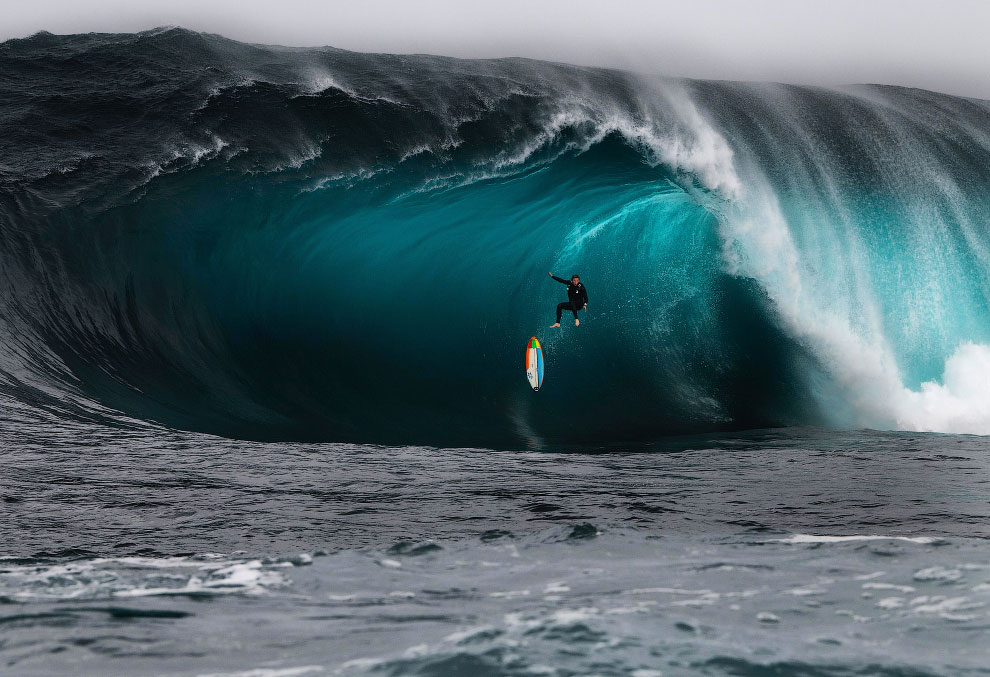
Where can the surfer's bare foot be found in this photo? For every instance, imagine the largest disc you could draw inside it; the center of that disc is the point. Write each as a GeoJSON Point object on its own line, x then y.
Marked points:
{"type": "Point", "coordinates": [577, 323]}
{"type": "Point", "coordinates": [555, 325]}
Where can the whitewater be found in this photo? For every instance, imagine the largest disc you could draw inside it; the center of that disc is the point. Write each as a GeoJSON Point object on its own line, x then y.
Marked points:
{"type": "Point", "coordinates": [263, 408]}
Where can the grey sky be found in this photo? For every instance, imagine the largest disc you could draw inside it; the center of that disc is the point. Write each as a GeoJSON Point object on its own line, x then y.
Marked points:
{"type": "Point", "coordinates": [921, 43]}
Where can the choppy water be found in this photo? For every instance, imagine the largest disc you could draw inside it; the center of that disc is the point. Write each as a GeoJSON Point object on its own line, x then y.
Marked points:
{"type": "Point", "coordinates": [795, 552]}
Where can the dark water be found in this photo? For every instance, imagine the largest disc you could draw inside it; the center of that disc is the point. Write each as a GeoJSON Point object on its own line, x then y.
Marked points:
{"type": "Point", "coordinates": [101, 495]}
{"type": "Point", "coordinates": [793, 552]}
{"type": "Point", "coordinates": [234, 280]}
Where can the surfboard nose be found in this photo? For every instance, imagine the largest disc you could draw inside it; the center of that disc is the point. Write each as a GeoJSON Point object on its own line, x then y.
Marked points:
{"type": "Point", "coordinates": [534, 363]}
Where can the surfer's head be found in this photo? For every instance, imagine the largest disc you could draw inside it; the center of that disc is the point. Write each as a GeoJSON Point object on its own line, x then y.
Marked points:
{"type": "Point", "coordinates": [575, 279]}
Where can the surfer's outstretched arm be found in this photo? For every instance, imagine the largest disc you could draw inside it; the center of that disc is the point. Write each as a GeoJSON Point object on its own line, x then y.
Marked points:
{"type": "Point", "coordinates": [558, 279]}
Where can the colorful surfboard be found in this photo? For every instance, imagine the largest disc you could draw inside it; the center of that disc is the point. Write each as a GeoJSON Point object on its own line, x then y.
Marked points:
{"type": "Point", "coordinates": [534, 363]}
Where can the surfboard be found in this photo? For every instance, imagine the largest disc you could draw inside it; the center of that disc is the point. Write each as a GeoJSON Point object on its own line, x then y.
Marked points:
{"type": "Point", "coordinates": [534, 363]}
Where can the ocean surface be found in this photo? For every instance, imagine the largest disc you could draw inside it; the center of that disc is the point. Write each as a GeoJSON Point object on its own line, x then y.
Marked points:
{"type": "Point", "coordinates": [797, 552]}
{"type": "Point", "coordinates": [263, 407]}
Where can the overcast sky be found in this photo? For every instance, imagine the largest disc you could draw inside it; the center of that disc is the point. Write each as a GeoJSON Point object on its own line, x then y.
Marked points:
{"type": "Point", "coordinates": [922, 43]}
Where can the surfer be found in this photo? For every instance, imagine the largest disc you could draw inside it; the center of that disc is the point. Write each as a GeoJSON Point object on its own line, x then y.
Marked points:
{"type": "Point", "coordinates": [577, 298]}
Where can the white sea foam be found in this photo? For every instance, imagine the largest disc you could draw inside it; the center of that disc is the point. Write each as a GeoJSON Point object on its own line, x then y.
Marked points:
{"type": "Point", "coordinates": [891, 602]}
{"type": "Point", "coordinates": [509, 594]}
{"type": "Point", "coordinates": [809, 538]}
{"type": "Point", "coordinates": [321, 80]}
{"type": "Point", "coordinates": [947, 605]}
{"type": "Point", "coordinates": [806, 591]}
{"type": "Point", "coordinates": [846, 328]}
{"type": "Point", "coordinates": [678, 137]}
{"type": "Point", "coordinates": [707, 599]}
{"type": "Point", "coordinates": [571, 616]}
{"type": "Point", "coordinates": [666, 591]}
{"type": "Point", "coordinates": [888, 586]}
{"type": "Point", "coordinates": [938, 574]}
{"type": "Point", "coordinates": [268, 672]}
{"type": "Point", "coordinates": [127, 577]}
{"type": "Point", "coordinates": [184, 155]}
{"type": "Point", "coordinates": [862, 362]}
{"type": "Point", "coordinates": [960, 403]}
{"type": "Point", "coordinates": [701, 150]}
{"type": "Point", "coordinates": [439, 148]}
{"type": "Point", "coordinates": [469, 633]}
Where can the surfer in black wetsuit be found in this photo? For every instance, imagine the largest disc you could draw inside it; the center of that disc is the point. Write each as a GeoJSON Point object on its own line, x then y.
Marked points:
{"type": "Point", "coordinates": [577, 298]}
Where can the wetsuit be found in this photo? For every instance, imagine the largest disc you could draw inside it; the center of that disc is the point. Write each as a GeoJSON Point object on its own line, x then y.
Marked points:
{"type": "Point", "coordinates": [577, 297]}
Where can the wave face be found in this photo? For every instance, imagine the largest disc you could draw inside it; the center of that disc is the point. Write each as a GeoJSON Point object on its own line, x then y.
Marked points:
{"type": "Point", "coordinates": [273, 243]}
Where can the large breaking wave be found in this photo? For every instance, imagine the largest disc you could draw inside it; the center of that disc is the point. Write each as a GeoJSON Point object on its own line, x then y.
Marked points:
{"type": "Point", "coordinates": [278, 243]}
